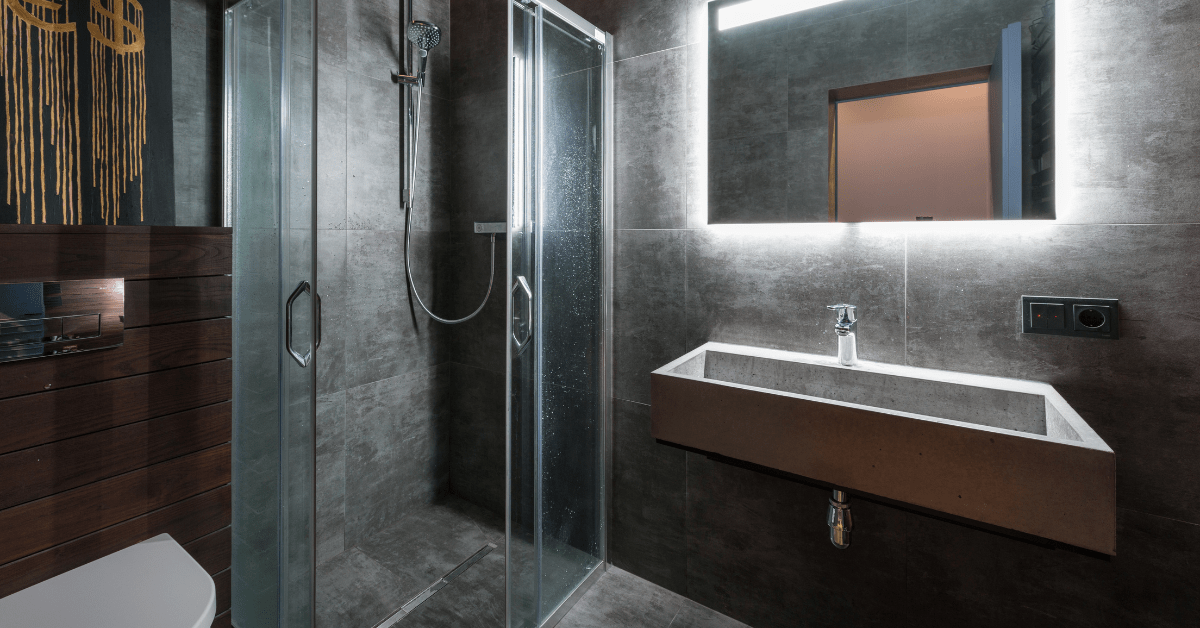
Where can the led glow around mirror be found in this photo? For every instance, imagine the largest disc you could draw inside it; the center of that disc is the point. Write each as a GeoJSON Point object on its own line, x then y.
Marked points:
{"type": "Point", "coordinates": [759, 10]}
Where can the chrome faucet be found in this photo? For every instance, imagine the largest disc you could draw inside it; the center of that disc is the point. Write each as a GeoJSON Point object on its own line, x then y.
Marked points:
{"type": "Point", "coordinates": [846, 328]}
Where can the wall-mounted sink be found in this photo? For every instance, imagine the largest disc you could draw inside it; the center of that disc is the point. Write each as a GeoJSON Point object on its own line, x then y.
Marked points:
{"type": "Point", "coordinates": [1006, 452]}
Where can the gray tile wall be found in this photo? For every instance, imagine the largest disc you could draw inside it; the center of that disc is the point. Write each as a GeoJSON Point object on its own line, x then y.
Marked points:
{"type": "Point", "coordinates": [196, 86]}
{"type": "Point", "coordinates": [410, 409]}
{"type": "Point", "coordinates": [754, 546]}
{"type": "Point", "coordinates": [383, 431]}
{"type": "Point", "coordinates": [479, 167]}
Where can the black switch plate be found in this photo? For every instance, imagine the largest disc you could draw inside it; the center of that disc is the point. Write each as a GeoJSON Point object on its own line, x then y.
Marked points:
{"type": "Point", "coordinates": [1047, 316]}
{"type": "Point", "coordinates": [1070, 316]}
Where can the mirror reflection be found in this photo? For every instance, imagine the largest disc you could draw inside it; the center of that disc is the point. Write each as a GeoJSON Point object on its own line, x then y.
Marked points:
{"type": "Point", "coordinates": [880, 110]}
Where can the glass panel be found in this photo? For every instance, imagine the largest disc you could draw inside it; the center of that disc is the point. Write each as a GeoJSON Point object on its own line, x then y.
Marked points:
{"type": "Point", "coordinates": [269, 98]}
{"type": "Point", "coordinates": [523, 505]}
{"type": "Point", "coordinates": [570, 321]}
{"type": "Point", "coordinates": [557, 376]}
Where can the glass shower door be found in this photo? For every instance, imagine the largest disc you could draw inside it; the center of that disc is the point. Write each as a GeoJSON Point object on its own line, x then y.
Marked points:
{"type": "Point", "coordinates": [269, 141]}
{"type": "Point", "coordinates": [559, 305]}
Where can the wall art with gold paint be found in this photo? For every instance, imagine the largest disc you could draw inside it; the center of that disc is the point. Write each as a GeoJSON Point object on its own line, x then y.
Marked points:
{"type": "Point", "coordinates": [80, 78]}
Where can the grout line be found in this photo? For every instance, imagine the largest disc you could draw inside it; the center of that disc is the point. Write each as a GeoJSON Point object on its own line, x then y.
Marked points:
{"type": "Point", "coordinates": [676, 615]}
{"type": "Point", "coordinates": [1150, 514]}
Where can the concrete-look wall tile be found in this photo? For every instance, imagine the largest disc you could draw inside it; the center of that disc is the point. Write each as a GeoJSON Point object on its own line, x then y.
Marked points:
{"type": "Point", "coordinates": [477, 423]}
{"type": "Point", "coordinates": [651, 152]}
{"type": "Point", "coordinates": [331, 147]}
{"type": "Point", "coordinates": [331, 475]}
{"type": "Point", "coordinates": [479, 164]}
{"type": "Point", "coordinates": [1140, 393]}
{"type": "Point", "coordinates": [396, 439]}
{"type": "Point", "coordinates": [331, 31]}
{"type": "Point", "coordinates": [949, 34]}
{"type": "Point", "coordinates": [808, 175]}
{"type": "Point", "coordinates": [647, 531]}
{"type": "Point", "coordinates": [853, 50]}
{"type": "Point", "coordinates": [435, 160]}
{"type": "Point", "coordinates": [480, 47]}
{"type": "Point", "coordinates": [747, 86]}
{"type": "Point", "coordinates": [640, 27]}
{"type": "Point", "coordinates": [959, 575]}
{"type": "Point", "coordinates": [481, 341]}
{"type": "Point", "coordinates": [759, 552]}
{"type": "Point", "coordinates": [332, 282]}
{"type": "Point", "coordinates": [696, 138]}
{"type": "Point", "coordinates": [768, 287]}
{"type": "Point", "coordinates": [1133, 117]}
{"type": "Point", "coordinates": [196, 111]}
{"type": "Point", "coordinates": [1156, 571]}
{"type": "Point", "coordinates": [373, 154]}
{"type": "Point", "coordinates": [385, 336]}
{"type": "Point", "coordinates": [373, 39]}
{"type": "Point", "coordinates": [744, 185]}
{"type": "Point", "coordinates": [648, 307]}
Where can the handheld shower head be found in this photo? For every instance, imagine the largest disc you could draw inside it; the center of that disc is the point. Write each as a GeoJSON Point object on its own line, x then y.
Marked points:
{"type": "Point", "coordinates": [424, 35]}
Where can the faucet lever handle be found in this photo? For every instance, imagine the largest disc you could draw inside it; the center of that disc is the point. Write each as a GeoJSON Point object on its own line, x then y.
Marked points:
{"type": "Point", "coordinates": [846, 313]}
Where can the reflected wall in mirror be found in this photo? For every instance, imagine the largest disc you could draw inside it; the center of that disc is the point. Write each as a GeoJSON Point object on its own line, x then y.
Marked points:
{"type": "Point", "coordinates": [880, 110]}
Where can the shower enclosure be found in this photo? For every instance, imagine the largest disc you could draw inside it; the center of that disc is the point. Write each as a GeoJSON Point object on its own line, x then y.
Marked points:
{"type": "Point", "coordinates": [433, 553]}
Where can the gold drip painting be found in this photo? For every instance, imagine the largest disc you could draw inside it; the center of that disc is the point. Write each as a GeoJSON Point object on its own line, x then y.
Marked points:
{"type": "Point", "coordinates": [75, 111]}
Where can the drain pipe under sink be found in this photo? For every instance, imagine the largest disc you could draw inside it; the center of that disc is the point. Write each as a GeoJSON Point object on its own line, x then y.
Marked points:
{"type": "Point", "coordinates": [839, 519]}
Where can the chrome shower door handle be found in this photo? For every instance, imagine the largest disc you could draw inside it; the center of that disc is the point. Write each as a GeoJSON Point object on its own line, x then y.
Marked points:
{"type": "Point", "coordinates": [318, 344]}
{"type": "Point", "coordinates": [522, 287]}
{"type": "Point", "coordinates": [302, 360]}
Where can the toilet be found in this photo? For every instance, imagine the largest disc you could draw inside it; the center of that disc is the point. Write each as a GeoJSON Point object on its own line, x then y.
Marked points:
{"type": "Point", "coordinates": [154, 584]}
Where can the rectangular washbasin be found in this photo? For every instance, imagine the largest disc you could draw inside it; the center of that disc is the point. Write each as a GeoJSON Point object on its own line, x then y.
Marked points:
{"type": "Point", "coordinates": [1005, 452]}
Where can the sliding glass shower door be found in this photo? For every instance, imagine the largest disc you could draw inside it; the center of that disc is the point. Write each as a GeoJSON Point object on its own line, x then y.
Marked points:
{"type": "Point", "coordinates": [559, 308]}
{"type": "Point", "coordinates": [269, 201]}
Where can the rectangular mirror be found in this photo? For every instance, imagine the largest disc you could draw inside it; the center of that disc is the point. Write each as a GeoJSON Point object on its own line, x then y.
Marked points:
{"type": "Point", "coordinates": [880, 110]}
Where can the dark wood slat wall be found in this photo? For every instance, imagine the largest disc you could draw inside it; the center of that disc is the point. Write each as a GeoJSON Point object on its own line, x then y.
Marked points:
{"type": "Point", "coordinates": [102, 450]}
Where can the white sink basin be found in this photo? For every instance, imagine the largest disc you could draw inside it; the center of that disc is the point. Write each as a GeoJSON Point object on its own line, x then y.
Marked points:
{"type": "Point", "coordinates": [1006, 452]}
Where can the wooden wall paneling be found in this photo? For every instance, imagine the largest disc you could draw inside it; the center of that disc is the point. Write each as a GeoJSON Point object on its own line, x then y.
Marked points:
{"type": "Point", "coordinates": [224, 593]}
{"type": "Point", "coordinates": [131, 253]}
{"type": "Point", "coordinates": [42, 471]}
{"type": "Point", "coordinates": [58, 414]}
{"type": "Point", "coordinates": [224, 620]}
{"type": "Point", "coordinates": [146, 349]}
{"type": "Point", "coordinates": [44, 523]}
{"type": "Point", "coordinates": [105, 449]}
{"type": "Point", "coordinates": [214, 552]}
{"type": "Point", "coordinates": [163, 301]}
{"type": "Point", "coordinates": [185, 521]}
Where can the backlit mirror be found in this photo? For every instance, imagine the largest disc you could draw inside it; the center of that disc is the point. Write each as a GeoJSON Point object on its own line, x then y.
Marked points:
{"type": "Point", "coordinates": [880, 110]}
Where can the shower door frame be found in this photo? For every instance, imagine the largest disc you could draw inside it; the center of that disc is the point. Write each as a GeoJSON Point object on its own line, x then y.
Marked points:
{"type": "Point", "coordinates": [606, 309]}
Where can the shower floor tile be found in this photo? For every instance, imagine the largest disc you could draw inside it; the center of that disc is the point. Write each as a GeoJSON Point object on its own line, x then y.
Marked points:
{"type": "Point", "coordinates": [366, 584]}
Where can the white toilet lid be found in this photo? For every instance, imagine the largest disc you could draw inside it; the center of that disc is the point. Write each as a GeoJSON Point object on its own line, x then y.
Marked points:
{"type": "Point", "coordinates": [154, 584]}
